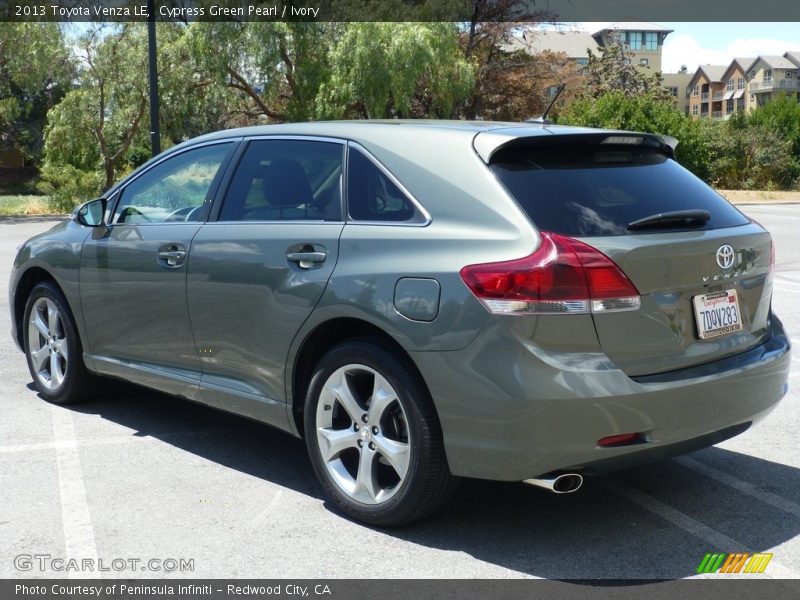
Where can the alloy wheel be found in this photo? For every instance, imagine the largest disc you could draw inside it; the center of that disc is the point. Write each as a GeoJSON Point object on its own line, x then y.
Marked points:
{"type": "Point", "coordinates": [47, 344]}
{"type": "Point", "coordinates": [363, 434]}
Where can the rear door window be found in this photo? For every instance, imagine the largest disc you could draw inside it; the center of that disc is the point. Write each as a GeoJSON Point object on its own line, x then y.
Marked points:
{"type": "Point", "coordinates": [286, 180]}
{"type": "Point", "coordinates": [598, 189]}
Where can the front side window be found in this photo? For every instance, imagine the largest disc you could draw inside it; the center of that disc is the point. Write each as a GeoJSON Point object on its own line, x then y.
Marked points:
{"type": "Point", "coordinates": [177, 189]}
{"type": "Point", "coordinates": [644, 62]}
{"type": "Point", "coordinates": [286, 180]}
{"type": "Point", "coordinates": [730, 85]}
{"type": "Point", "coordinates": [651, 41]}
{"type": "Point", "coordinates": [373, 196]}
{"type": "Point", "coordinates": [740, 83]}
{"type": "Point", "coordinates": [635, 40]}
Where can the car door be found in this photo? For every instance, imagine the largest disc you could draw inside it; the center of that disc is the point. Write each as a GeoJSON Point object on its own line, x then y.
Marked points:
{"type": "Point", "coordinates": [257, 270]}
{"type": "Point", "coordinates": [133, 272]}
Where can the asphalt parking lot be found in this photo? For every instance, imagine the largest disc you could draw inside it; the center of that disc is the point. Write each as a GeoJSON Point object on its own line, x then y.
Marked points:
{"type": "Point", "coordinates": [139, 475]}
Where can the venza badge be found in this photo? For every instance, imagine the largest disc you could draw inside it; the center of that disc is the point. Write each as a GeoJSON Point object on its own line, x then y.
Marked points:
{"type": "Point", "coordinates": [725, 256]}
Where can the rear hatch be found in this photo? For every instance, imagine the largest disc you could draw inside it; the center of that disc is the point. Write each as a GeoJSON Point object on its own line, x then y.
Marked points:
{"type": "Point", "coordinates": [702, 269]}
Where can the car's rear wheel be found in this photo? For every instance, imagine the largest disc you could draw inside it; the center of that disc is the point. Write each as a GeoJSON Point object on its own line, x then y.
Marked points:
{"type": "Point", "coordinates": [373, 435]}
{"type": "Point", "coordinates": [53, 348]}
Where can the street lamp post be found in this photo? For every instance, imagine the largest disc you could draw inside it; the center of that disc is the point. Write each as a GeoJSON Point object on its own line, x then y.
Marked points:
{"type": "Point", "coordinates": [155, 129]}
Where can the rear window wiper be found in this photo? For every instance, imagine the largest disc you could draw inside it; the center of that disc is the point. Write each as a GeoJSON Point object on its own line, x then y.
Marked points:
{"type": "Point", "coordinates": [678, 218]}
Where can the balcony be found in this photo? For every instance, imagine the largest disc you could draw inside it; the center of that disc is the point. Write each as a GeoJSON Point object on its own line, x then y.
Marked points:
{"type": "Point", "coordinates": [768, 85]}
{"type": "Point", "coordinates": [704, 97]}
{"type": "Point", "coordinates": [717, 95]}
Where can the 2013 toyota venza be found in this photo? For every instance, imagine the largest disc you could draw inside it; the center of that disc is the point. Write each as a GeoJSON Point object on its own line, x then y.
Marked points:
{"type": "Point", "coordinates": [421, 301]}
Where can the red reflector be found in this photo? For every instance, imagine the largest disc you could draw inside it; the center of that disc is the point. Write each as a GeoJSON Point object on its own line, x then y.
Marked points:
{"type": "Point", "coordinates": [623, 439]}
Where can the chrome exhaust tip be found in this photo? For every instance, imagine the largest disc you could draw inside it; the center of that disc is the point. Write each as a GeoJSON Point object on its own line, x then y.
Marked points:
{"type": "Point", "coordinates": [565, 483]}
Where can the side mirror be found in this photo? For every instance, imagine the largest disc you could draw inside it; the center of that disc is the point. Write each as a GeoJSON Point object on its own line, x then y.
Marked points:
{"type": "Point", "coordinates": [91, 214]}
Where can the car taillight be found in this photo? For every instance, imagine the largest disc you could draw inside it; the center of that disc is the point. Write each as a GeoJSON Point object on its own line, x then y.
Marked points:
{"type": "Point", "coordinates": [563, 275]}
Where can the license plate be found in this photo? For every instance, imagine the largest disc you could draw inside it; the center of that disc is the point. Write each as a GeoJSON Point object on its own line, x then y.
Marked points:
{"type": "Point", "coordinates": [717, 314]}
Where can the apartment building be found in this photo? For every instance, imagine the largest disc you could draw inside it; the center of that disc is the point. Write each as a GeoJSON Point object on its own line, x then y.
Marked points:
{"type": "Point", "coordinates": [768, 76]}
{"type": "Point", "coordinates": [735, 78]}
{"type": "Point", "coordinates": [677, 85]}
{"type": "Point", "coordinates": [706, 90]}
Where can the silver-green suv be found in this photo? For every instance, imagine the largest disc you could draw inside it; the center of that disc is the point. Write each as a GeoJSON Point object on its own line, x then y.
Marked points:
{"type": "Point", "coordinates": [421, 301]}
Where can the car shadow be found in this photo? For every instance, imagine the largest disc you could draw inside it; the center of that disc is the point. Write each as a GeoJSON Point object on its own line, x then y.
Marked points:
{"type": "Point", "coordinates": [646, 523]}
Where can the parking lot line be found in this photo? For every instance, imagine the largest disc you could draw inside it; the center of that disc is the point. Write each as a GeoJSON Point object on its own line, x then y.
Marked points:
{"type": "Point", "coordinates": [79, 539]}
{"type": "Point", "coordinates": [742, 486]}
{"type": "Point", "coordinates": [696, 528]}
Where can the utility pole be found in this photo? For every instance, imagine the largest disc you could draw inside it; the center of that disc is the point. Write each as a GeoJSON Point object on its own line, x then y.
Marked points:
{"type": "Point", "coordinates": [155, 129]}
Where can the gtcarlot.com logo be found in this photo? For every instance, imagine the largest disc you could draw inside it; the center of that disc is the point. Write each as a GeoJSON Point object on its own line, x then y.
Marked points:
{"type": "Point", "coordinates": [737, 562]}
{"type": "Point", "coordinates": [48, 562]}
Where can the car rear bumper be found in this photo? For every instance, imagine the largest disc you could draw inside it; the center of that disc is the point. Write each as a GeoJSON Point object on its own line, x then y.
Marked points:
{"type": "Point", "coordinates": [510, 410]}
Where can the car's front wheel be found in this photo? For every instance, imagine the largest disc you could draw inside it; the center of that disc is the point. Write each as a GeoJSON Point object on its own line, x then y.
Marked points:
{"type": "Point", "coordinates": [373, 435]}
{"type": "Point", "coordinates": [53, 348]}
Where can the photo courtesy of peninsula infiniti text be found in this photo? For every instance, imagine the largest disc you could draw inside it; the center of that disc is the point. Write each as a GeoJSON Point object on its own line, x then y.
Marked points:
{"type": "Point", "coordinates": [420, 301]}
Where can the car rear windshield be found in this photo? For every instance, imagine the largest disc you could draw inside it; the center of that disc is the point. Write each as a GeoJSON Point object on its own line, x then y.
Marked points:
{"type": "Point", "coordinates": [599, 189]}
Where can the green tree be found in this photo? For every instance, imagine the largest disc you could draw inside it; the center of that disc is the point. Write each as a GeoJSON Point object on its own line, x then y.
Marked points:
{"type": "Point", "coordinates": [753, 156]}
{"type": "Point", "coordinates": [36, 70]}
{"type": "Point", "coordinates": [782, 116]}
{"type": "Point", "coordinates": [275, 69]}
{"type": "Point", "coordinates": [100, 130]}
{"type": "Point", "coordinates": [384, 70]}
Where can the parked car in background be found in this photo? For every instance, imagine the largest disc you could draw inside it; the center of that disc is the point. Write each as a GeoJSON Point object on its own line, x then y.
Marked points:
{"type": "Point", "coordinates": [421, 301]}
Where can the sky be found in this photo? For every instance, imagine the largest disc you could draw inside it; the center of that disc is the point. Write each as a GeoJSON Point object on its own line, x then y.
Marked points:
{"type": "Point", "coordinates": [694, 44]}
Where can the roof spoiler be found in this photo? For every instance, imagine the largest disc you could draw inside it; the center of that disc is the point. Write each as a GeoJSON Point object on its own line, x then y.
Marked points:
{"type": "Point", "coordinates": [487, 143]}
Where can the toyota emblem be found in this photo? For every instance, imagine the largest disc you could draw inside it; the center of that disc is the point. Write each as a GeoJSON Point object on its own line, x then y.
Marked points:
{"type": "Point", "coordinates": [725, 256]}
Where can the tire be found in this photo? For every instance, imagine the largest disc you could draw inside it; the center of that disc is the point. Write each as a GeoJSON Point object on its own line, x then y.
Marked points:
{"type": "Point", "coordinates": [53, 348]}
{"type": "Point", "coordinates": [380, 462]}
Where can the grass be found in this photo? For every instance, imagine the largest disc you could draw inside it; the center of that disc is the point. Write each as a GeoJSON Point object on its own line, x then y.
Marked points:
{"type": "Point", "coordinates": [760, 196]}
{"type": "Point", "coordinates": [24, 204]}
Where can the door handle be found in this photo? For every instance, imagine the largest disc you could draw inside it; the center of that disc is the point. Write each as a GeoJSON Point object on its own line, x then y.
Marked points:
{"type": "Point", "coordinates": [171, 256]}
{"type": "Point", "coordinates": [306, 260]}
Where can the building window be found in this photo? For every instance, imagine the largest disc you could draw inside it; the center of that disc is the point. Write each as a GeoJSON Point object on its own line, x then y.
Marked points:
{"type": "Point", "coordinates": [740, 83]}
{"type": "Point", "coordinates": [627, 61]}
{"type": "Point", "coordinates": [767, 75]}
{"type": "Point", "coordinates": [788, 74]}
{"type": "Point", "coordinates": [730, 85]}
{"type": "Point", "coordinates": [673, 91]}
{"type": "Point", "coordinates": [740, 105]}
{"type": "Point", "coordinates": [582, 61]}
{"type": "Point", "coordinates": [696, 90]}
{"type": "Point", "coordinates": [651, 41]}
{"type": "Point", "coordinates": [729, 106]}
{"type": "Point", "coordinates": [694, 109]}
{"type": "Point", "coordinates": [644, 62]}
{"type": "Point", "coordinates": [635, 40]}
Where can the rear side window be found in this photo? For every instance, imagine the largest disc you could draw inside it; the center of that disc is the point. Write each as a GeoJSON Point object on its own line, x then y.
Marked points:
{"type": "Point", "coordinates": [598, 189]}
{"type": "Point", "coordinates": [373, 196]}
{"type": "Point", "coordinates": [286, 180]}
